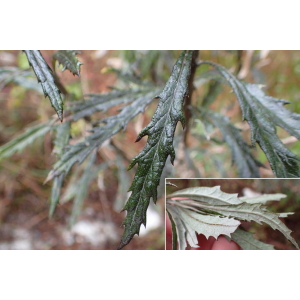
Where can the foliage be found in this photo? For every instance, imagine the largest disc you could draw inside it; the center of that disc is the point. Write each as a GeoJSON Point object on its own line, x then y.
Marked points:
{"type": "Point", "coordinates": [152, 159]}
{"type": "Point", "coordinates": [45, 76]}
{"type": "Point", "coordinates": [211, 212]}
{"type": "Point", "coordinates": [68, 59]}
{"type": "Point", "coordinates": [142, 79]}
{"type": "Point", "coordinates": [264, 113]}
{"type": "Point", "coordinates": [21, 141]}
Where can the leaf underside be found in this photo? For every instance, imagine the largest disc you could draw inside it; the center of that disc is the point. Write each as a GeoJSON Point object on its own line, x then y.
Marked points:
{"type": "Point", "coordinates": [264, 113]}
{"type": "Point", "coordinates": [68, 59]}
{"type": "Point", "coordinates": [206, 211]}
{"type": "Point", "coordinates": [247, 242]}
{"type": "Point", "coordinates": [152, 158]}
{"type": "Point", "coordinates": [44, 75]}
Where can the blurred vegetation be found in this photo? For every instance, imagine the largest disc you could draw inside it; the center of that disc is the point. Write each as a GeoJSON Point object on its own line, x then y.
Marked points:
{"type": "Point", "coordinates": [24, 200]}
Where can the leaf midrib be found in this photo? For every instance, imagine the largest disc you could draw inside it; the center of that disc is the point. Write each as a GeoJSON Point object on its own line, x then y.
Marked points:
{"type": "Point", "coordinates": [200, 221]}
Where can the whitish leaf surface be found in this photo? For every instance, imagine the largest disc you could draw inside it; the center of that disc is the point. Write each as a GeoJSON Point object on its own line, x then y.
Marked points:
{"type": "Point", "coordinates": [285, 215]}
{"type": "Point", "coordinates": [248, 166]}
{"type": "Point", "coordinates": [249, 212]}
{"type": "Point", "coordinates": [247, 242]}
{"type": "Point", "coordinates": [68, 59]}
{"type": "Point", "coordinates": [21, 141]}
{"type": "Point", "coordinates": [209, 195]}
{"type": "Point", "coordinates": [44, 75]}
{"type": "Point", "coordinates": [187, 233]}
{"type": "Point", "coordinates": [263, 198]}
{"type": "Point", "coordinates": [263, 114]}
{"type": "Point", "coordinates": [202, 204]}
{"type": "Point", "coordinates": [208, 225]}
{"type": "Point", "coordinates": [60, 143]}
{"type": "Point", "coordinates": [108, 127]}
{"type": "Point", "coordinates": [151, 160]}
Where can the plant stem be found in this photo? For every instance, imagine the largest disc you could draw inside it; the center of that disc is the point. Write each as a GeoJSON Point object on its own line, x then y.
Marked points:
{"type": "Point", "coordinates": [188, 99]}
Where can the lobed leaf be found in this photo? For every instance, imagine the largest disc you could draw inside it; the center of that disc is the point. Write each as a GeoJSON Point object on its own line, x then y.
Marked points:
{"type": "Point", "coordinates": [152, 158]}
{"type": "Point", "coordinates": [113, 124]}
{"type": "Point", "coordinates": [208, 225]}
{"type": "Point", "coordinates": [68, 59]}
{"type": "Point", "coordinates": [250, 212]}
{"type": "Point", "coordinates": [203, 209]}
{"type": "Point", "coordinates": [264, 113]}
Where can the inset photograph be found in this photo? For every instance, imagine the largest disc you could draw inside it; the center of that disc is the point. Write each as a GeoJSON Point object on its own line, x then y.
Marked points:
{"type": "Point", "coordinates": [232, 214]}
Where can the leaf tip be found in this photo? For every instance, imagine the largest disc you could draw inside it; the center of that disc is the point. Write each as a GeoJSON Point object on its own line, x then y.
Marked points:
{"type": "Point", "coordinates": [138, 139]}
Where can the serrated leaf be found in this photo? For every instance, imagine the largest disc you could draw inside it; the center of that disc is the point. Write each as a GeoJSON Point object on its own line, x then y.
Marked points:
{"type": "Point", "coordinates": [68, 59]}
{"type": "Point", "coordinates": [248, 166]}
{"type": "Point", "coordinates": [263, 198]}
{"type": "Point", "coordinates": [247, 242]}
{"type": "Point", "coordinates": [159, 146]}
{"type": "Point", "coordinates": [60, 143]}
{"type": "Point", "coordinates": [250, 212]}
{"type": "Point", "coordinates": [208, 225]}
{"type": "Point", "coordinates": [113, 124]}
{"type": "Point", "coordinates": [210, 195]}
{"type": "Point", "coordinates": [193, 200]}
{"type": "Point", "coordinates": [21, 141]}
{"type": "Point", "coordinates": [263, 113]}
{"type": "Point", "coordinates": [45, 77]}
